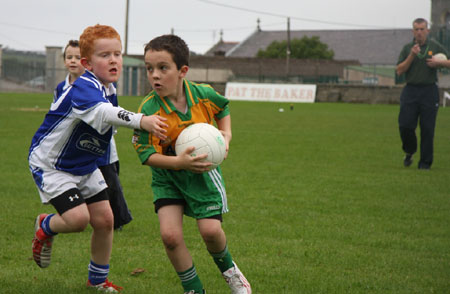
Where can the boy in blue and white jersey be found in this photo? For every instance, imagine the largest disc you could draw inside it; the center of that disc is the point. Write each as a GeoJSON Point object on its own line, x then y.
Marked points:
{"type": "Point", "coordinates": [72, 57]}
{"type": "Point", "coordinates": [109, 162]}
{"type": "Point", "coordinates": [63, 155]}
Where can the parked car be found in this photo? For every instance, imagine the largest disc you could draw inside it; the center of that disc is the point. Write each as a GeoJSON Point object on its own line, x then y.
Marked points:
{"type": "Point", "coordinates": [37, 82]}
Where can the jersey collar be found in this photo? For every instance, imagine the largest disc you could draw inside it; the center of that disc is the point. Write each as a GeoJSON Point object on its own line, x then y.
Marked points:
{"type": "Point", "coordinates": [168, 106]}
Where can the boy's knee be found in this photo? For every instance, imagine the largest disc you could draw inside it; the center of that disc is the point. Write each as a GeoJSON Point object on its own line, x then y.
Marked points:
{"type": "Point", "coordinates": [171, 240]}
{"type": "Point", "coordinates": [105, 221]}
{"type": "Point", "coordinates": [211, 234]}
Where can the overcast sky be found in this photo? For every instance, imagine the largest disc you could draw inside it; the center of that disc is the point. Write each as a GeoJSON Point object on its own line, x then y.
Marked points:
{"type": "Point", "coordinates": [34, 24]}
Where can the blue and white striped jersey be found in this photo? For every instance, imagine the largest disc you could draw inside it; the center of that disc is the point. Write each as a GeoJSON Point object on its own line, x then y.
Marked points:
{"type": "Point", "coordinates": [61, 87]}
{"type": "Point", "coordinates": [111, 154]}
{"type": "Point", "coordinates": [77, 129]}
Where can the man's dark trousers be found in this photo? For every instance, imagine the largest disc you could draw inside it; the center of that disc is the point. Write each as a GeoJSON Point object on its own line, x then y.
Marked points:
{"type": "Point", "coordinates": [419, 103]}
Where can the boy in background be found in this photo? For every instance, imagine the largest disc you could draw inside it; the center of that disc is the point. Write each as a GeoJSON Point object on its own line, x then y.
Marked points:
{"type": "Point", "coordinates": [109, 163]}
{"type": "Point", "coordinates": [72, 63]}
{"type": "Point", "coordinates": [64, 151]}
{"type": "Point", "coordinates": [183, 184]}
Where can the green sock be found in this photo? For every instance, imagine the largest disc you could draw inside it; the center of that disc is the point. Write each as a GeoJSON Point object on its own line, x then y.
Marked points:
{"type": "Point", "coordinates": [190, 280]}
{"type": "Point", "coordinates": [223, 259]}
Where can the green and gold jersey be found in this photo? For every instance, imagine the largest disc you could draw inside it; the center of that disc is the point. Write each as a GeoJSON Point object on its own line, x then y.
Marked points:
{"type": "Point", "coordinates": [203, 105]}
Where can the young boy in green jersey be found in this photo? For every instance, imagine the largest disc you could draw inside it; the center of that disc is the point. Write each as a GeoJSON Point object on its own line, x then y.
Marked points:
{"type": "Point", "coordinates": [182, 184]}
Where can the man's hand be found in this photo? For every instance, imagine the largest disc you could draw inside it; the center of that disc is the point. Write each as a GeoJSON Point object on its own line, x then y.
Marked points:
{"type": "Point", "coordinates": [415, 49]}
{"type": "Point", "coordinates": [434, 62]}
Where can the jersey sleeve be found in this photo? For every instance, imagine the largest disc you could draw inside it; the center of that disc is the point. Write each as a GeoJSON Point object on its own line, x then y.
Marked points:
{"type": "Point", "coordinates": [90, 106]}
{"type": "Point", "coordinates": [218, 103]}
{"type": "Point", "coordinates": [403, 54]}
{"type": "Point", "coordinates": [104, 115]}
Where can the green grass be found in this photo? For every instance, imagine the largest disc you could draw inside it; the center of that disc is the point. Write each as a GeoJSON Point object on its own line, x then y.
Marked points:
{"type": "Point", "coordinates": [319, 203]}
{"type": "Point", "coordinates": [385, 70]}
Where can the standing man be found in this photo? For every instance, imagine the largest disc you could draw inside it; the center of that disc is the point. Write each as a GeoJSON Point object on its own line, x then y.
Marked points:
{"type": "Point", "coordinates": [420, 96]}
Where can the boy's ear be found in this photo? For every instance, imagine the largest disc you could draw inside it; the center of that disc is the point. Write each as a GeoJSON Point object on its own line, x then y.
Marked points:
{"type": "Point", "coordinates": [183, 71]}
{"type": "Point", "coordinates": [84, 62]}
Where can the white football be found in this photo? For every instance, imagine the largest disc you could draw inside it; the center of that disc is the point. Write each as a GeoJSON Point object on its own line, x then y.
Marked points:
{"type": "Point", "coordinates": [440, 56]}
{"type": "Point", "coordinates": [206, 139]}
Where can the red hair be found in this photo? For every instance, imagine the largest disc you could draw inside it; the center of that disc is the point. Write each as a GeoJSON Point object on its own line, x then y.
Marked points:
{"type": "Point", "coordinates": [93, 33]}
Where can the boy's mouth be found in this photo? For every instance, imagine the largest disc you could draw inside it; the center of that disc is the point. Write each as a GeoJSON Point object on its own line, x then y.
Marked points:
{"type": "Point", "coordinates": [113, 70]}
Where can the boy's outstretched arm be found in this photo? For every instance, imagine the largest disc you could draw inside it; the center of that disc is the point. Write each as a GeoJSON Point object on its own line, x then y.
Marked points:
{"type": "Point", "coordinates": [154, 124]}
{"type": "Point", "coordinates": [104, 115]}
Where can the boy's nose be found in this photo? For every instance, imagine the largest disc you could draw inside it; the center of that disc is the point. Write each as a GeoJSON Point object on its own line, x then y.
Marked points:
{"type": "Point", "coordinates": [155, 74]}
{"type": "Point", "coordinates": [114, 59]}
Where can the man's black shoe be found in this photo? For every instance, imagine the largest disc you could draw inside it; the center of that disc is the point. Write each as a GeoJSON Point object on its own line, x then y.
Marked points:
{"type": "Point", "coordinates": [408, 160]}
{"type": "Point", "coordinates": [424, 166]}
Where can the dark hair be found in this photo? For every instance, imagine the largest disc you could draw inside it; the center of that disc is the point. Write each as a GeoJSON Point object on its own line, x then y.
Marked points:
{"type": "Point", "coordinates": [72, 43]}
{"type": "Point", "coordinates": [420, 20]}
{"type": "Point", "coordinates": [172, 44]}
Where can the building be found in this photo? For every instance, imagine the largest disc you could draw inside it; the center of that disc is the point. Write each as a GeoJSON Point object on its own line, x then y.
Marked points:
{"type": "Point", "coordinates": [366, 46]}
{"type": "Point", "coordinates": [376, 50]}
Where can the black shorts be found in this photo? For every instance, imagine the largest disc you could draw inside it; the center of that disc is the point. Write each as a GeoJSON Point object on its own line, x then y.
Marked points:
{"type": "Point", "coordinates": [72, 198]}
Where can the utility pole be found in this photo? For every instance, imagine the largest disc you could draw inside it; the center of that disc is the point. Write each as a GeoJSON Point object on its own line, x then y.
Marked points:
{"type": "Point", "coordinates": [126, 27]}
{"type": "Point", "coordinates": [288, 47]}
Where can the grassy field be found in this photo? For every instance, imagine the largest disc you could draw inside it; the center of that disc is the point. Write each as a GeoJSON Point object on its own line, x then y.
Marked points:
{"type": "Point", "coordinates": [319, 203]}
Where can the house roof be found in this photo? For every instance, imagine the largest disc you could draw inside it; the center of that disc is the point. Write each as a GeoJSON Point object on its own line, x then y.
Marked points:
{"type": "Point", "coordinates": [221, 48]}
{"type": "Point", "coordinates": [366, 46]}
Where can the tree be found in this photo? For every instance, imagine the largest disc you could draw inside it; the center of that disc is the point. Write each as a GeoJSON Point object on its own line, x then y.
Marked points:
{"type": "Point", "coordinates": [304, 48]}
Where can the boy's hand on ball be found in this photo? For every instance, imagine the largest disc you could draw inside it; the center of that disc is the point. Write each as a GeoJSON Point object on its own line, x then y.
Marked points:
{"type": "Point", "coordinates": [154, 124]}
{"type": "Point", "coordinates": [193, 163]}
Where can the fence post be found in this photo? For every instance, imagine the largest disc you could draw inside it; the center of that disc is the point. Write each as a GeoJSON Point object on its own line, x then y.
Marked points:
{"type": "Point", "coordinates": [1, 57]}
{"type": "Point", "coordinates": [54, 67]}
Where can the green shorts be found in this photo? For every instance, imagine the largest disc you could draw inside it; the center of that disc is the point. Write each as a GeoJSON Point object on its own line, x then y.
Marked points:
{"type": "Point", "coordinates": [203, 194]}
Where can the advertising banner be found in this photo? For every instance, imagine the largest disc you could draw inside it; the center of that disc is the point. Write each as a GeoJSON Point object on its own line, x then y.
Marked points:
{"type": "Point", "coordinates": [271, 92]}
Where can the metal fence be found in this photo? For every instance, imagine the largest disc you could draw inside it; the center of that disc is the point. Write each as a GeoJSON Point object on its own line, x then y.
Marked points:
{"type": "Point", "coordinates": [22, 69]}
{"type": "Point", "coordinates": [26, 71]}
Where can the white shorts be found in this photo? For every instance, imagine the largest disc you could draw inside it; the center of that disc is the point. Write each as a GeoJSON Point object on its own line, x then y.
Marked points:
{"type": "Point", "coordinates": [52, 183]}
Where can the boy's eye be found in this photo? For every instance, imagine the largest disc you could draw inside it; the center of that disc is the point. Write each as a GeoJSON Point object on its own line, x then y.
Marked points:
{"type": "Point", "coordinates": [150, 69]}
{"type": "Point", "coordinates": [163, 67]}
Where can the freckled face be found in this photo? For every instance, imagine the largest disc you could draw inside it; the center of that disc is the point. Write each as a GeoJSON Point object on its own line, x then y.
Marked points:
{"type": "Point", "coordinates": [106, 61]}
{"type": "Point", "coordinates": [162, 73]}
